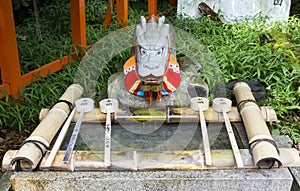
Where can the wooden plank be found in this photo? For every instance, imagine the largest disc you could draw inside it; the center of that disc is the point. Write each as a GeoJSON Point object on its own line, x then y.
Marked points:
{"type": "Point", "coordinates": [142, 160]}
{"type": "Point", "coordinates": [119, 161]}
{"type": "Point", "coordinates": [47, 69]}
{"type": "Point", "coordinates": [6, 161]}
{"type": "Point", "coordinates": [58, 161]}
{"type": "Point", "coordinates": [210, 115]}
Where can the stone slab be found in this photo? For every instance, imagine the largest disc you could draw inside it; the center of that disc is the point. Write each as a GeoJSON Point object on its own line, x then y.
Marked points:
{"type": "Point", "coordinates": [295, 171]}
{"type": "Point", "coordinates": [234, 179]}
{"type": "Point", "coordinates": [4, 181]}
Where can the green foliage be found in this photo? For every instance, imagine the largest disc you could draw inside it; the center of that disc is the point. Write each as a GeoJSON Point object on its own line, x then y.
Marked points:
{"type": "Point", "coordinates": [239, 49]}
{"type": "Point", "coordinates": [241, 54]}
{"type": "Point", "coordinates": [295, 7]}
{"type": "Point", "coordinates": [18, 4]}
{"type": "Point", "coordinates": [56, 33]}
{"type": "Point", "coordinates": [19, 112]}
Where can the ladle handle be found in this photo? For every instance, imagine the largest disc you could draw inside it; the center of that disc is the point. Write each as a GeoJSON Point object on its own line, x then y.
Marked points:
{"type": "Point", "coordinates": [107, 145]}
{"type": "Point", "coordinates": [73, 138]}
{"type": "Point", "coordinates": [208, 160]}
{"type": "Point", "coordinates": [59, 139]}
{"type": "Point", "coordinates": [234, 146]}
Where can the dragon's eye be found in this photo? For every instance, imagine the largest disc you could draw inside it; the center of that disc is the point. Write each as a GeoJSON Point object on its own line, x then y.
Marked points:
{"type": "Point", "coordinates": [143, 51]}
{"type": "Point", "coordinates": [159, 52]}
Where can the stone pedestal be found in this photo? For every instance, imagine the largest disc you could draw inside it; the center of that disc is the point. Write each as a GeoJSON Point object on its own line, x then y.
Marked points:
{"type": "Point", "coordinates": [234, 179]}
{"type": "Point", "coordinates": [295, 171]}
{"type": "Point", "coordinates": [220, 179]}
{"type": "Point", "coordinates": [4, 181]}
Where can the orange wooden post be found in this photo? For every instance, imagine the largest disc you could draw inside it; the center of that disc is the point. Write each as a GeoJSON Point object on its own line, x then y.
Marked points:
{"type": "Point", "coordinates": [122, 12]}
{"type": "Point", "coordinates": [109, 12]}
{"type": "Point", "coordinates": [78, 22]}
{"type": "Point", "coordinates": [9, 58]}
{"type": "Point", "coordinates": [152, 7]}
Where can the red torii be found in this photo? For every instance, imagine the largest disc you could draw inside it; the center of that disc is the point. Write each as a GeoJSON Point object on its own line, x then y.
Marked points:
{"type": "Point", "coordinates": [12, 79]}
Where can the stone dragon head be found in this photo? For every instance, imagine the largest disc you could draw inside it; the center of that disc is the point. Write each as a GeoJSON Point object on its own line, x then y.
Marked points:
{"type": "Point", "coordinates": [153, 70]}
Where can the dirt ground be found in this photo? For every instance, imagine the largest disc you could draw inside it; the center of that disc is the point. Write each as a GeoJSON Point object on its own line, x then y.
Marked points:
{"type": "Point", "coordinates": [10, 140]}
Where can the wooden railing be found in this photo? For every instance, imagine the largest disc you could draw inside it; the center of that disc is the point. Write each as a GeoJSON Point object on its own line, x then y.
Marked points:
{"type": "Point", "coordinates": [12, 79]}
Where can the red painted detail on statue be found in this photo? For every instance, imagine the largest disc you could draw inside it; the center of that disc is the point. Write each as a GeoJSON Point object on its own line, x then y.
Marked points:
{"type": "Point", "coordinates": [130, 81]}
{"type": "Point", "coordinates": [173, 78]}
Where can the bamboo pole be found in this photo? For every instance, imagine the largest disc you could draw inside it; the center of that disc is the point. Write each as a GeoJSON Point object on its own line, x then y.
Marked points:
{"type": "Point", "coordinates": [60, 139]}
{"type": "Point", "coordinates": [162, 160]}
{"type": "Point", "coordinates": [193, 116]}
{"type": "Point", "coordinates": [34, 147]}
{"type": "Point", "coordinates": [264, 149]}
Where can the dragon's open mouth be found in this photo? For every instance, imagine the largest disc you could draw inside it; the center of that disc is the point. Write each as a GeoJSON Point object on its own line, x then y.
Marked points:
{"type": "Point", "coordinates": [151, 80]}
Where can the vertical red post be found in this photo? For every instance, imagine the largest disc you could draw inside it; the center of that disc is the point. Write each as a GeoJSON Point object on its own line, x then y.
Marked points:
{"type": "Point", "coordinates": [109, 12]}
{"type": "Point", "coordinates": [152, 7]}
{"type": "Point", "coordinates": [122, 12]}
{"type": "Point", "coordinates": [9, 58]}
{"type": "Point", "coordinates": [78, 22]}
{"type": "Point", "coordinates": [173, 3]}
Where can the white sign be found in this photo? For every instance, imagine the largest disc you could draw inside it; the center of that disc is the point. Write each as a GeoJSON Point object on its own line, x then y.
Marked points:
{"type": "Point", "coordinates": [274, 10]}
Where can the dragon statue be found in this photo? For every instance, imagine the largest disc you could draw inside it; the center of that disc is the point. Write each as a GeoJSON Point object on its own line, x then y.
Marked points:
{"type": "Point", "coordinates": [152, 76]}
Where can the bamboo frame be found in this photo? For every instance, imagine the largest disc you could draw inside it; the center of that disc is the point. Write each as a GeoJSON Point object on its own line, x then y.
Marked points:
{"type": "Point", "coordinates": [210, 115]}
{"type": "Point", "coordinates": [32, 150]}
{"type": "Point", "coordinates": [263, 147]}
{"type": "Point", "coordinates": [142, 160]}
